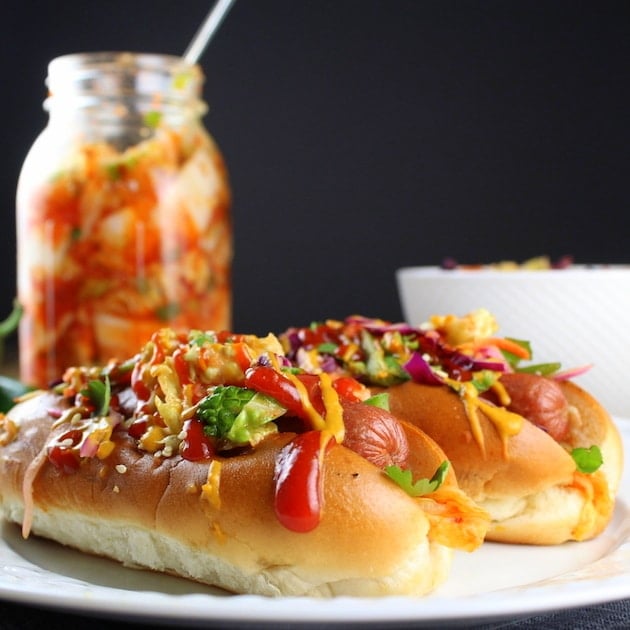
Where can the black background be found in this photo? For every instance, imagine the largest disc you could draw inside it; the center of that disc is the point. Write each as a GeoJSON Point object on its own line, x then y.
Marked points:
{"type": "Point", "coordinates": [366, 135]}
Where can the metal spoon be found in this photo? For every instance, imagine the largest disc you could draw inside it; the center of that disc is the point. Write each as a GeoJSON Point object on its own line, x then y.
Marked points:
{"type": "Point", "coordinates": [208, 28]}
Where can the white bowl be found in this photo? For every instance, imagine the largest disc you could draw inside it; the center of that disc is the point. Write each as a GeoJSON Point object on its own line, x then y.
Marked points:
{"type": "Point", "coordinates": [578, 315]}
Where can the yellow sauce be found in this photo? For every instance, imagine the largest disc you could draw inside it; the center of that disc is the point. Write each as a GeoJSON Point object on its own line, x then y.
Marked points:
{"type": "Point", "coordinates": [318, 422]}
{"type": "Point", "coordinates": [506, 422]}
{"type": "Point", "coordinates": [210, 489]}
{"type": "Point", "coordinates": [334, 410]}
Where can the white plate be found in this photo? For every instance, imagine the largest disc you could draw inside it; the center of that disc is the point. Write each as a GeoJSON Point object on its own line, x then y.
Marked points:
{"type": "Point", "coordinates": [494, 582]}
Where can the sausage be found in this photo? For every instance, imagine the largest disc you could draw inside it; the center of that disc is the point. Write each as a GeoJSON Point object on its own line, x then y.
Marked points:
{"type": "Point", "coordinates": [375, 434]}
{"type": "Point", "coordinates": [540, 400]}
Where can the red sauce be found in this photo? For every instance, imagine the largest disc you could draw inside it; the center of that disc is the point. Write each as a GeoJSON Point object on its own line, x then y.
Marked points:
{"type": "Point", "coordinates": [65, 457]}
{"type": "Point", "coordinates": [268, 381]}
{"type": "Point", "coordinates": [298, 476]}
{"type": "Point", "coordinates": [195, 446]}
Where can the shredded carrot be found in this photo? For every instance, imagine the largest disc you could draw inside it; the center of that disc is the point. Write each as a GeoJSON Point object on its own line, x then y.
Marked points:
{"type": "Point", "coordinates": [508, 345]}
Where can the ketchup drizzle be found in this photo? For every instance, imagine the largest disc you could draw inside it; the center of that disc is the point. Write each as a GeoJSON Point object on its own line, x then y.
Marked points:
{"type": "Point", "coordinates": [298, 479]}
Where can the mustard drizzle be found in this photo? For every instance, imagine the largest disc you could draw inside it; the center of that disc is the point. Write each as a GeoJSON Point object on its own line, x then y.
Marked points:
{"type": "Point", "coordinates": [506, 422]}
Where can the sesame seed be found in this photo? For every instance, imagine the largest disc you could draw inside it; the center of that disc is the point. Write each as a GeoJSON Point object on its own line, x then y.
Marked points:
{"type": "Point", "coordinates": [121, 468]}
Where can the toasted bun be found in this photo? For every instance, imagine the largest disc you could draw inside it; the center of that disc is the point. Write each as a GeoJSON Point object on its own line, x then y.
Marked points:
{"type": "Point", "coordinates": [528, 483]}
{"type": "Point", "coordinates": [457, 521]}
{"type": "Point", "coordinates": [145, 511]}
{"type": "Point", "coordinates": [591, 424]}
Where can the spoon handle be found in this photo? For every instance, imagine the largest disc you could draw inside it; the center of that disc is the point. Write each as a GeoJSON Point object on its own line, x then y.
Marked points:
{"type": "Point", "coordinates": [207, 30]}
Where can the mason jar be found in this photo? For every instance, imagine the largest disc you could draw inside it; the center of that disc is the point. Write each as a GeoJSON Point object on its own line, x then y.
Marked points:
{"type": "Point", "coordinates": [123, 214]}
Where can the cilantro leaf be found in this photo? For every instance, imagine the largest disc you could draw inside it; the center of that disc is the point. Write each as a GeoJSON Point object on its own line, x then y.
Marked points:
{"type": "Point", "coordinates": [420, 487]}
{"type": "Point", "coordinates": [587, 460]}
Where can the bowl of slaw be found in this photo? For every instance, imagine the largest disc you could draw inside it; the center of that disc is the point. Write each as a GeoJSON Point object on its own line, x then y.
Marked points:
{"type": "Point", "coordinates": [572, 314]}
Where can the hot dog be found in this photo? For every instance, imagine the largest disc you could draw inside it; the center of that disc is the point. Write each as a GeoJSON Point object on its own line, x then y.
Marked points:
{"type": "Point", "coordinates": [205, 456]}
{"type": "Point", "coordinates": [530, 446]}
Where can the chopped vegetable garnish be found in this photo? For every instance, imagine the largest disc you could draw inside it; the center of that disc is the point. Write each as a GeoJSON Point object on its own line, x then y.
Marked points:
{"type": "Point", "coordinates": [238, 414]}
{"type": "Point", "coordinates": [484, 380]}
{"type": "Point", "coordinates": [99, 393]}
{"type": "Point", "coordinates": [379, 400]}
{"type": "Point", "coordinates": [219, 410]}
{"type": "Point", "coordinates": [587, 460]}
{"type": "Point", "coordinates": [381, 353]}
{"type": "Point", "coordinates": [420, 487]}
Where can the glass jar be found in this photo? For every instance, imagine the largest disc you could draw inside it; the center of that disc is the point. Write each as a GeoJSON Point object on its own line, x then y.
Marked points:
{"type": "Point", "coordinates": [123, 214]}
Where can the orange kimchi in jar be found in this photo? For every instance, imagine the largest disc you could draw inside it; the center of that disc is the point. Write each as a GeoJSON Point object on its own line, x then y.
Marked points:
{"type": "Point", "coordinates": [123, 214]}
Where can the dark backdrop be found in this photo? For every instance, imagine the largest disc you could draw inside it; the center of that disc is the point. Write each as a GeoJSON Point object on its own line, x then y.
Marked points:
{"type": "Point", "coordinates": [366, 135]}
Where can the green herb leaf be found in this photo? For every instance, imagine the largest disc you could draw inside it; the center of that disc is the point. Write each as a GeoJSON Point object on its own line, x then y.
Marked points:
{"type": "Point", "coordinates": [100, 393]}
{"type": "Point", "coordinates": [379, 400]}
{"type": "Point", "coordinates": [542, 369]}
{"type": "Point", "coordinates": [587, 460]}
{"type": "Point", "coordinates": [410, 342]}
{"type": "Point", "coordinates": [200, 338]}
{"type": "Point", "coordinates": [382, 369]}
{"type": "Point", "coordinates": [10, 389]}
{"type": "Point", "coordinates": [420, 487]}
{"type": "Point", "coordinates": [327, 348]}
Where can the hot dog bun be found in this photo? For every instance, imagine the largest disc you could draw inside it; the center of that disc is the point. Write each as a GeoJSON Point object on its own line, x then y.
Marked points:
{"type": "Point", "coordinates": [213, 520]}
{"type": "Point", "coordinates": [528, 483]}
{"type": "Point", "coordinates": [591, 424]}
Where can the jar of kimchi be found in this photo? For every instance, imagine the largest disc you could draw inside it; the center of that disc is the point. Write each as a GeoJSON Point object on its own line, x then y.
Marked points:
{"type": "Point", "coordinates": [123, 222]}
